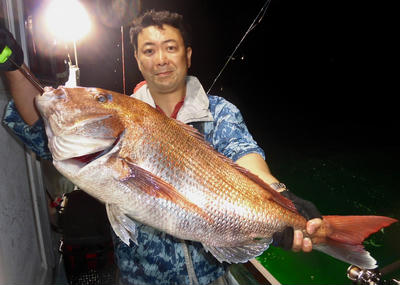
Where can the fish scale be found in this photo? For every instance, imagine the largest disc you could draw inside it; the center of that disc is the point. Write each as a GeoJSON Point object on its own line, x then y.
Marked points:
{"type": "Point", "coordinates": [160, 172]}
{"type": "Point", "coordinates": [221, 186]}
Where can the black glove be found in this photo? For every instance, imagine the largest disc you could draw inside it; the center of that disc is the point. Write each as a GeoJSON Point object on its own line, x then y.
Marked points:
{"type": "Point", "coordinates": [9, 49]}
{"type": "Point", "coordinates": [304, 207]}
{"type": "Point", "coordinates": [284, 239]}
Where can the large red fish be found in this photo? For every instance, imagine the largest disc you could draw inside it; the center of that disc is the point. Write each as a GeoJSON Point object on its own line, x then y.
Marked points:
{"type": "Point", "coordinates": [150, 168]}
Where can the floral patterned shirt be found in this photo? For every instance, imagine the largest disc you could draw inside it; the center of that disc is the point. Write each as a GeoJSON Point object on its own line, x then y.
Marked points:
{"type": "Point", "coordinates": [158, 258]}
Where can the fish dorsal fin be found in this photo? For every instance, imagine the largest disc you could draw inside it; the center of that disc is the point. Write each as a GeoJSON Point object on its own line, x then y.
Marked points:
{"type": "Point", "coordinates": [273, 194]}
{"type": "Point", "coordinates": [158, 188]}
{"type": "Point", "coordinates": [270, 192]}
{"type": "Point", "coordinates": [239, 254]}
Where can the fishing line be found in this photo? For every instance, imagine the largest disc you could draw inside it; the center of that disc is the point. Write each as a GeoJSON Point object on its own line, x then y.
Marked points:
{"type": "Point", "coordinates": [255, 22]}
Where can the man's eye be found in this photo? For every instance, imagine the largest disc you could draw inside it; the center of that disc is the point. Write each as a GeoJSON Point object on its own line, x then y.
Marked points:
{"type": "Point", "coordinates": [148, 51]}
{"type": "Point", "coordinates": [172, 48]}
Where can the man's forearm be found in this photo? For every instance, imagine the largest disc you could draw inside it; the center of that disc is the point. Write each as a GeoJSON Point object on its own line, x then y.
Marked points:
{"type": "Point", "coordinates": [23, 93]}
{"type": "Point", "coordinates": [257, 165]}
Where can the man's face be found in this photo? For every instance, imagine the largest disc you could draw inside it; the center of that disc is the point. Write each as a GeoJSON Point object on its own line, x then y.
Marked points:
{"type": "Point", "coordinates": [162, 58]}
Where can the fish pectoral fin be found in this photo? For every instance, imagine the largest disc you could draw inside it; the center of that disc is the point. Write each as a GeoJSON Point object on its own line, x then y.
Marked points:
{"type": "Point", "coordinates": [149, 183]}
{"type": "Point", "coordinates": [239, 254]}
{"type": "Point", "coordinates": [154, 186]}
{"type": "Point", "coordinates": [123, 226]}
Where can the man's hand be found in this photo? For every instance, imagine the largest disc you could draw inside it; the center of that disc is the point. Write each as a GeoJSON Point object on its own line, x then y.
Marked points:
{"type": "Point", "coordinates": [11, 55]}
{"type": "Point", "coordinates": [305, 244]}
{"type": "Point", "coordinates": [289, 239]}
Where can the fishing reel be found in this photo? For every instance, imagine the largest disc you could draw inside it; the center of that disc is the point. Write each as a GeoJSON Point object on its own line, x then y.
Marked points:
{"type": "Point", "coordinates": [368, 277]}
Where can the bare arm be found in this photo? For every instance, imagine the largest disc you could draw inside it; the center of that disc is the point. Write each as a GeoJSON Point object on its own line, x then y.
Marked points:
{"type": "Point", "coordinates": [23, 93]}
{"type": "Point", "coordinates": [257, 165]}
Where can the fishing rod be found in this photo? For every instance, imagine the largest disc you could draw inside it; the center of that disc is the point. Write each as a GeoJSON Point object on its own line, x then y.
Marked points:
{"type": "Point", "coordinates": [73, 77]}
{"type": "Point", "coordinates": [28, 76]}
{"type": "Point", "coordinates": [255, 22]}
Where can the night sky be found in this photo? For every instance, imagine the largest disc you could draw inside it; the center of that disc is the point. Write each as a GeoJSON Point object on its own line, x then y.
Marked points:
{"type": "Point", "coordinates": [315, 73]}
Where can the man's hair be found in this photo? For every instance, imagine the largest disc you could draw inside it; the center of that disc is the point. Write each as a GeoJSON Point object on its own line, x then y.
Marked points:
{"type": "Point", "coordinates": [158, 18]}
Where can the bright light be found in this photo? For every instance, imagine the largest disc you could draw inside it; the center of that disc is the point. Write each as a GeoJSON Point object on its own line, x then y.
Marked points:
{"type": "Point", "coordinates": [67, 20]}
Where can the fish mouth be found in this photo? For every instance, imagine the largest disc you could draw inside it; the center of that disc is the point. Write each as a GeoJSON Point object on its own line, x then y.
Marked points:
{"type": "Point", "coordinates": [73, 166]}
{"type": "Point", "coordinates": [88, 158]}
{"type": "Point", "coordinates": [77, 146]}
{"type": "Point", "coordinates": [83, 155]}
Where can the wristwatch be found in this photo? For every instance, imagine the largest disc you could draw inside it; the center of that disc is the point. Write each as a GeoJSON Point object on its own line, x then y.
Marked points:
{"type": "Point", "coordinates": [278, 186]}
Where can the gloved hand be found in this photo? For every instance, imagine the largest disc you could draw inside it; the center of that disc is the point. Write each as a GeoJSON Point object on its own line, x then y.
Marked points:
{"type": "Point", "coordinates": [9, 49]}
{"type": "Point", "coordinates": [306, 208]}
{"type": "Point", "coordinates": [284, 239]}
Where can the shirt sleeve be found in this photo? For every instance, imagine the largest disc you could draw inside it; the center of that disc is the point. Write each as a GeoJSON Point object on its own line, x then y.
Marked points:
{"type": "Point", "coordinates": [34, 137]}
{"type": "Point", "coordinates": [231, 136]}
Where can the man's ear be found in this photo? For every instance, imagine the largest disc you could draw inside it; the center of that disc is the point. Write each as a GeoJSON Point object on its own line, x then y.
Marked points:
{"type": "Point", "coordinates": [189, 56]}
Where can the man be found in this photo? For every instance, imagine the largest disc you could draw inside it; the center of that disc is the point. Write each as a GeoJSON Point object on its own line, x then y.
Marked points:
{"type": "Point", "coordinates": [163, 54]}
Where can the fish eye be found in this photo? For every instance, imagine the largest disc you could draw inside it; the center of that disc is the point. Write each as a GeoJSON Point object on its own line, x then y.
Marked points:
{"type": "Point", "coordinates": [103, 98]}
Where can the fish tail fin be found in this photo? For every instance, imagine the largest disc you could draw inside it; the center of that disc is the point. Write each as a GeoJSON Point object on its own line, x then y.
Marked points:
{"type": "Point", "coordinates": [345, 235]}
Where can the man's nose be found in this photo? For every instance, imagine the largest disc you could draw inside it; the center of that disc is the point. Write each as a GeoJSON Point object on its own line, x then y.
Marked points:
{"type": "Point", "coordinates": [162, 57]}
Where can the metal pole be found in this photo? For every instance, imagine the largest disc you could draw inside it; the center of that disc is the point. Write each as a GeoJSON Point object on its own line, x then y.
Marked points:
{"type": "Point", "coordinates": [76, 55]}
{"type": "Point", "coordinates": [123, 58]}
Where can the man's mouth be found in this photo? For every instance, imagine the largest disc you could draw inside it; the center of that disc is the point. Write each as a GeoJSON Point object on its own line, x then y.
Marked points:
{"type": "Point", "coordinates": [164, 73]}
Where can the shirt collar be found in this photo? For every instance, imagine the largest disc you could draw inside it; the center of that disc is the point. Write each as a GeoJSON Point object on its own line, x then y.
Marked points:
{"type": "Point", "coordinates": [195, 106]}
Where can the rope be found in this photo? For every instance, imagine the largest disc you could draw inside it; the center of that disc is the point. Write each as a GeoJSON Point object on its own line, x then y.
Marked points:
{"type": "Point", "coordinates": [189, 265]}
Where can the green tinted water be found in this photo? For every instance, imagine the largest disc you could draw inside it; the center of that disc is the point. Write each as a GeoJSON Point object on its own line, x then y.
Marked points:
{"type": "Point", "coordinates": [351, 182]}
